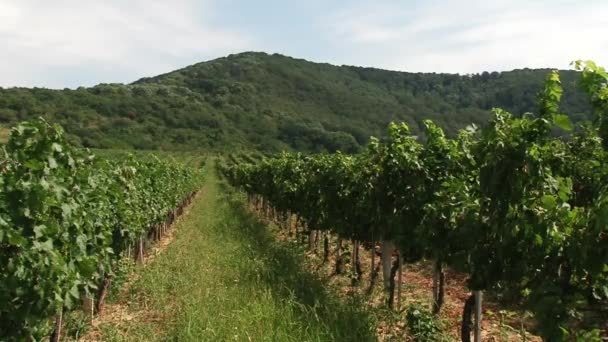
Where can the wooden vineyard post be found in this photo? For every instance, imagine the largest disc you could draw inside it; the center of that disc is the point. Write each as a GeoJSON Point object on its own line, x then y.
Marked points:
{"type": "Point", "coordinates": [375, 269]}
{"type": "Point", "coordinates": [88, 307]}
{"type": "Point", "coordinates": [358, 269]}
{"type": "Point", "coordinates": [311, 240]}
{"type": "Point", "coordinates": [103, 293]}
{"type": "Point", "coordinates": [339, 260]}
{"type": "Point", "coordinates": [140, 251]}
{"type": "Point", "coordinates": [326, 247]}
{"type": "Point", "coordinates": [400, 278]}
{"type": "Point", "coordinates": [435, 287]}
{"type": "Point", "coordinates": [466, 324]}
{"type": "Point", "coordinates": [303, 233]}
{"type": "Point", "coordinates": [56, 336]}
{"type": "Point", "coordinates": [387, 252]}
{"type": "Point", "coordinates": [438, 286]}
{"type": "Point", "coordinates": [478, 302]}
{"type": "Point", "coordinates": [352, 256]}
{"type": "Point", "coordinates": [371, 272]}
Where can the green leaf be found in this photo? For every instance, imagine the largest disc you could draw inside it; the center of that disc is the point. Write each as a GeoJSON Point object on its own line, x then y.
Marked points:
{"type": "Point", "coordinates": [52, 163]}
{"type": "Point", "coordinates": [562, 121]}
{"type": "Point", "coordinates": [548, 201]}
{"type": "Point", "coordinates": [56, 147]}
{"type": "Point", "coordinates": [16, 240]}
{"type": "Point", "coordinates": [66, 209]}
{"type": "Point", "coordinates": [39, 230]}
{"type": "Point", "coordinates": [46, 246]}
{"type": "Point", "coordinates": [74, 292]}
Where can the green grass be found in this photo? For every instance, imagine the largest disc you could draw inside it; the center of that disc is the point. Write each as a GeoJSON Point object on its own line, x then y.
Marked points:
{"type": "Point", "coordinates": [225, 278]}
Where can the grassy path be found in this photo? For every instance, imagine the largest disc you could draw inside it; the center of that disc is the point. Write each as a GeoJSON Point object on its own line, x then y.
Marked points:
{"type": "Point", "coordinates": [225, 278]}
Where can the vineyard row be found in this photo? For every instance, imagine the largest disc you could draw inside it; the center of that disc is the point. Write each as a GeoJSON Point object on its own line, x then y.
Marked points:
{"type": "Point", "coordinates": [66, 220]}
{"type": "Point", "coordinates": [520, 206]}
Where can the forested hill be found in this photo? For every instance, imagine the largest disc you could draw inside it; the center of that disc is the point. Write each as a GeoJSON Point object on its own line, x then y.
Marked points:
{"type": "Point", "coordinates": [274, 102]}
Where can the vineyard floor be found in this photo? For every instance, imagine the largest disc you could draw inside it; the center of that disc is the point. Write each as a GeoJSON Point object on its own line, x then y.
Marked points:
{"type": "Point", "coordinates": [222, 275]}
{"type": "Point", "coordinates": [499, 324]}
{"type": "Point", "coordinates": [225, 277]}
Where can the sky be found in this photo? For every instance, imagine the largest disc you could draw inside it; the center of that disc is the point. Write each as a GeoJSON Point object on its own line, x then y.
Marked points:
{"type": "Point", "coordinates": [71, 43]}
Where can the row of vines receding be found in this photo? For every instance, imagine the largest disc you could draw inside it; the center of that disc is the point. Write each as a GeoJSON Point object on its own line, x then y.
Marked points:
{"type": "Point", "coordinates": [67, 218]}
{"type": "Point", "coordinates": [520, 206]}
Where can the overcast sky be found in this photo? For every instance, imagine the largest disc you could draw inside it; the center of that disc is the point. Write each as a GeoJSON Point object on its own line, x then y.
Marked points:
{"type": "Point", "coordinates": [68, 43]}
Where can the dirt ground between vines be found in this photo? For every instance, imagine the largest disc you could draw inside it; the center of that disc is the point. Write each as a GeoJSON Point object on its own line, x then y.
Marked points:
{"type": "Point", "coordinates": [416, 288]}
{"type": "Point", "coordinates": [117, 311]}
{"type": "Point", "coordinates": [498, 324]}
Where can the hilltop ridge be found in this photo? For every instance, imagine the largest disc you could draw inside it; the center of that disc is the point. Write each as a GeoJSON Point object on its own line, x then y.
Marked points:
{"type": "Point", "coordinates": [275, 102]}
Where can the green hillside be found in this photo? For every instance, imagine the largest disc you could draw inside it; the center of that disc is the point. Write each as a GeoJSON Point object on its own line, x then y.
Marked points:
{"type": "Point", "coordinates": [274, 102]}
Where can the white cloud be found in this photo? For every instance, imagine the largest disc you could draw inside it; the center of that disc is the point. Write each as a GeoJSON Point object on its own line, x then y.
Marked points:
{"type": "Point", "coordinates": [473, 35]}
{"type": "Point", "coordinates": [83, 42]}
{"type": "Point", "coordinates": [115, 39]}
